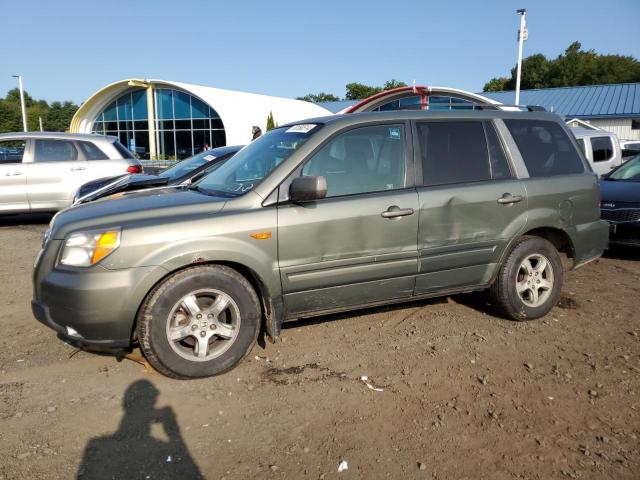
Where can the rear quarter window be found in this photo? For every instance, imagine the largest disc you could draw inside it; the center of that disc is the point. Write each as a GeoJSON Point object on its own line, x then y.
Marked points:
{"type": "Point", "coordinates": [91, 151]}
{"type": "Point", "coordinates": [545, 148]}
{"type": "Point", "coordinates": [123, 150]}
{"type": "Point", "coordinates": [602, 149]}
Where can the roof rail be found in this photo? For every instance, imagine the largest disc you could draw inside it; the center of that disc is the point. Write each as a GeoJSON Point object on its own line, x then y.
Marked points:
{"type": "Point", "coordinates": [471, 106]}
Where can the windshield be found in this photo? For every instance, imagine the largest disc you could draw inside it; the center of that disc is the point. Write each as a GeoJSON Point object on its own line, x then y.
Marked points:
{"type": "Point", "coordinates": [188, 165]}
{"type": "Point", "coordinates": [249, 166]}
{"type": "Point", "coordinates": [628, 171]}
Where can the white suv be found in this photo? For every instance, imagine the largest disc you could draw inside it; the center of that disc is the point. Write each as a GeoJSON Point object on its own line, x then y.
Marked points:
{"type": "Point", "coordinates": [42, 171]}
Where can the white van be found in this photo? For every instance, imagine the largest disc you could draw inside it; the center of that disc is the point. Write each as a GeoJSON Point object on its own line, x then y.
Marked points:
{"type": "Point", "coordinates": [601, 148]}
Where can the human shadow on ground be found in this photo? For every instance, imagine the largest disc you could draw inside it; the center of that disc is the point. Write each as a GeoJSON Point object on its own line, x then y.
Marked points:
{"type": "Point", "coordinates": [132, 452]}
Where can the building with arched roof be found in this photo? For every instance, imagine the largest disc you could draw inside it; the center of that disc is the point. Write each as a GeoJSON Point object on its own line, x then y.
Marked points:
{"type": "Point", "coordinates": [165, 119]}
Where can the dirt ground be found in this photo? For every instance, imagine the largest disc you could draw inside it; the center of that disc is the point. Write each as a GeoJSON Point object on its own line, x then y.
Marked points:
{"type": "Point", "coordinates": [465, 394]}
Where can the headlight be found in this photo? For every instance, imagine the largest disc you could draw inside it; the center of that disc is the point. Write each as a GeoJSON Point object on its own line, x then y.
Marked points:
{"type": "Point", "coordinates": [83, 249]}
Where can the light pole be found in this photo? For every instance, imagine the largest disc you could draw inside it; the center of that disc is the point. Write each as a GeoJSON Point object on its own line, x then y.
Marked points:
{"type": "Point", "coordinates": [24, 112]}
{"type": "Point", "coordinates": [523, 34]}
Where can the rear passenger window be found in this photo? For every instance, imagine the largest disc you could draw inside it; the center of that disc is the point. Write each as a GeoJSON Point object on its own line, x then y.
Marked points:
{"type": "Point", "coordinates": [11, 151]}
{"type": "Point", "coordinates": [91, 151]}
{"type": "Point", "coordinates": [362, 160]}
{"type": "Point", "coordinates": [498, 160]}
{"type": "Point", "coordinates": [453, 152]}
{"type": "Point", "coordinates": [55, 151]}
{"type": "Point", "coordinates": [545, 148]}
{"type": "Point", "coordinates": [602, 149]}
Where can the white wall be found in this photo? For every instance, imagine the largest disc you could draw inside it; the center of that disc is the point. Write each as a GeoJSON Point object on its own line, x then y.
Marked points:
{"type": "Point", "coordinates": [620, 126]}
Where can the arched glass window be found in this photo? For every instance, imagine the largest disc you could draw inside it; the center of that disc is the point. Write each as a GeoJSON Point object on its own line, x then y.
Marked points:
{"type": "Point", "coordinates": [414, 102]}
{"type": "Point", "coordinates": [126, 118]}
{"type": "Point", "coordinates": [185, 125]}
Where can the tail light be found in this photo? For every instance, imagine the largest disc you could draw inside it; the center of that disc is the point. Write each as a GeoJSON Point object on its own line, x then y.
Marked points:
{"type": "Point", "coordinates": [134, 169]}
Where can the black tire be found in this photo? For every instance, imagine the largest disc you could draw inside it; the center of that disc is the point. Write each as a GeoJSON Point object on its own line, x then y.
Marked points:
{"type": "Point", "coordinates": [154, 315]}
{"type": "Point", "coordinates": [503, 293]}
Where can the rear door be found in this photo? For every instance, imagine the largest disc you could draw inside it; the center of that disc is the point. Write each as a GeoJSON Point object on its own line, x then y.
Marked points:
{"type": "Point", "coordinates": [55, 173]}
{"type": "Point", "coordinates": [13, 176]}
{"type": "Point", "coordinates": [471, 204]}
{"type": "Point", "coordinates": [358, 245]}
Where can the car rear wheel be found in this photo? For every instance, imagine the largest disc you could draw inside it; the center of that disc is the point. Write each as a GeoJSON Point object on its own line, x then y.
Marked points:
{"type": "Point", "coordinates": [199, 322]}
{"type": "Point", "coordinates": [529, 282]}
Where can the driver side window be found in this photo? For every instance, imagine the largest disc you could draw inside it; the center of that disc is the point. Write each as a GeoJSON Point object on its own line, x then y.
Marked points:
{"type": "Point", "coordinates": [362, 160]}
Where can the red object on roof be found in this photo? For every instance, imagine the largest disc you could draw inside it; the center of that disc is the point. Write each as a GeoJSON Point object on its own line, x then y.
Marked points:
{"type": "Point", "coordinates": [415, 90]}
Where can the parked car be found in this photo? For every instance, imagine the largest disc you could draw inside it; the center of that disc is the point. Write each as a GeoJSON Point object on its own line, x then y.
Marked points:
{"type": "Point", "coordinates": [182, 173]}
{"type": "Point", "coordinates": [601, 148]}
{"type": "Point", "coordinates": [321, 216]}
{"type": "Point", "coordinates": [620, 203]}
{"type": "Point", "coordinates": [42, 171]}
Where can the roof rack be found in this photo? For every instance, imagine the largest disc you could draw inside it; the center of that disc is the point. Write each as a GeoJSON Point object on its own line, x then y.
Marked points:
{"type": "Point", "coordinates": [472, 106]}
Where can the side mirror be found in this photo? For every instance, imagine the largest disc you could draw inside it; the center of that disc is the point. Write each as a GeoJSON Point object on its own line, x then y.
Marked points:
{"type": "Point", "coordinates": [307, 189]}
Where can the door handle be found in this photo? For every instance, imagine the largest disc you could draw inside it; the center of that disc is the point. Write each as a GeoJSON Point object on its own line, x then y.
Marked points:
{"type": "Point", "coordinates": [75, 169]}
{"type": "Point", "coordinates": [395, 211]}
{"type": "Point", "coordinates": [13, 174]}
{"type": "Point", "coordinates": [507, 199]}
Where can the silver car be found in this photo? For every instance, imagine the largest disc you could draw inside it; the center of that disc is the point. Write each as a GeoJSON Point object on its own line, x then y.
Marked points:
{"type": "Point", "coordinates": [41, 171]}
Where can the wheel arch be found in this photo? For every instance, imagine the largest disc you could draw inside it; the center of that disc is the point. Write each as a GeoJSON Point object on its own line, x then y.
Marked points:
{"type": "Point", "coordinates": [270, 304]}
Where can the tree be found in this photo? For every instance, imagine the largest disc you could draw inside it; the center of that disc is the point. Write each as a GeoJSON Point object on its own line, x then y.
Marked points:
{"type": "Point", "coordinates": [496, 84]}
{"type": "Point", "coordinates": [359, 91]}
{"type": "Point", "coordinates": [271, 124]}
{"type": "Point", "coordinates": [319, 97]}
{"type": "Point", "coordinates": [55, 118]}
{"type": "Point", "coordinates": [393, 83]}
{"type": "Point", "coordinates": [574, 67]}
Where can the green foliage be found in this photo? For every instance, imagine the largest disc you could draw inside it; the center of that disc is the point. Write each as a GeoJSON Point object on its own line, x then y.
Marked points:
{"type": "Point", "coordinates": [271, 124]}
{"type": "Point", "coordinates": [319, 98]}
{"type": "Point", "coordinates": [393, 83]}
{"type": "Point", "coordinates": [496, 84]}
{"type": "Point", "coordinates": [572, 68]}
{"type": "Point", "coordinates": [55, 117]}
{"type": "Point", "coordinates": [358, 91]}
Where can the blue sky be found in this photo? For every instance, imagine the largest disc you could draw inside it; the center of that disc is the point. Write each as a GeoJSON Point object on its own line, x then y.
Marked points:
{"type": "Point", "coordinates": [68, 49]}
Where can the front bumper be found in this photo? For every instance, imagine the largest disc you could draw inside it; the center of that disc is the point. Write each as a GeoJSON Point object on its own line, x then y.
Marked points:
{"type": "Point", "coordinates": [627, 234]}
{"type": "Point", "coordinates": [93, 306]}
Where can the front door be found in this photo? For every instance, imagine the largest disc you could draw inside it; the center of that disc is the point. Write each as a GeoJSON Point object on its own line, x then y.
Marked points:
{"type": "Point", "coordinates": [13, 177]}
{"type": "Point", "coordinates": [55, 174]}
{"type": "Point", "coordinates": [470, 204]}
{"type": "Point", "coordinates": [357, 246]}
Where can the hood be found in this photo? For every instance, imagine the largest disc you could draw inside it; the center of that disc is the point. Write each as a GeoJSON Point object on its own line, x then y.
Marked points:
{"type": "Point", "coordinates": [101, 188]}
{"type": "Point", "coordinates": [137, 206]}
{"type": "Point", "coordinates": [619, 191]}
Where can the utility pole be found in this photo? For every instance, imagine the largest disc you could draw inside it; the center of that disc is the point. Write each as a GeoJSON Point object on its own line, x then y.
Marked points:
{"type": "Point", "coordinates": [523, 34]}
{"type": "Point", "coordinates": [40, 121]}
{"type": "Point", "coordinates": [24, 111]}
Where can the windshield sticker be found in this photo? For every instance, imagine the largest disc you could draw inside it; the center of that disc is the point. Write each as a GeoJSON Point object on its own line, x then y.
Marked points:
{"type": "Point", "coordinates": [209, 157]}
{"type": "Point", "coordinates": [394, 133]}
{"type": "Point", "coordinates": [302, 128]}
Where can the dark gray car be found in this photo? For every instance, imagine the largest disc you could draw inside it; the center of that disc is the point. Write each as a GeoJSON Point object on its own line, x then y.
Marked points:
{"type": "Point", "coordinates": [326, 215]}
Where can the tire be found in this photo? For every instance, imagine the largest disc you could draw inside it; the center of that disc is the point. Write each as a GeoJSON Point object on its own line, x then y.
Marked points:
{"type": "Point", "coordinates": [199, 322]}
{"type": "Point", "coordinates": [523, 272]}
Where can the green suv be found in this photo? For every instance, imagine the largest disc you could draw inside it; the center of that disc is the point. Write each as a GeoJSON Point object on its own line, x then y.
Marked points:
{"type": "Point", "coordinates": [321, 216]}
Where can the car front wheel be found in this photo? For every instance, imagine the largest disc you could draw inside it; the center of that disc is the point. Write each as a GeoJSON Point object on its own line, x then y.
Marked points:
{"type": "Point", "coordinates": [199, 322]}
{"type": "Point", "coordinates": [529, 282]}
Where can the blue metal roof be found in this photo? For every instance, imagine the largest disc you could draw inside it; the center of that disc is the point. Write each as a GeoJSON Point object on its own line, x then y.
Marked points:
{"type": "Point", "coordinates": [335, 107]}
{"type": "Point", "coordinates": [591, 101]}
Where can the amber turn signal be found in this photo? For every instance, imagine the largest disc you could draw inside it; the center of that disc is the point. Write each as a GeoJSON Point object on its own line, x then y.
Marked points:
{"type": "Point", "coordinates": [261, 235]}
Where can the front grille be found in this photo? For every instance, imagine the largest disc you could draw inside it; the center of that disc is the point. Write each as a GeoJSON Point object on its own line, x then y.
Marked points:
{"type": "Point", "coordinates": [621, 215]}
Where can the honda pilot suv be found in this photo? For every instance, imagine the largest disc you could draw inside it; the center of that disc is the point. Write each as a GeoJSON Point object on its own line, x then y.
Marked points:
{"type": "Point", "coordinates": [325, 215]}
